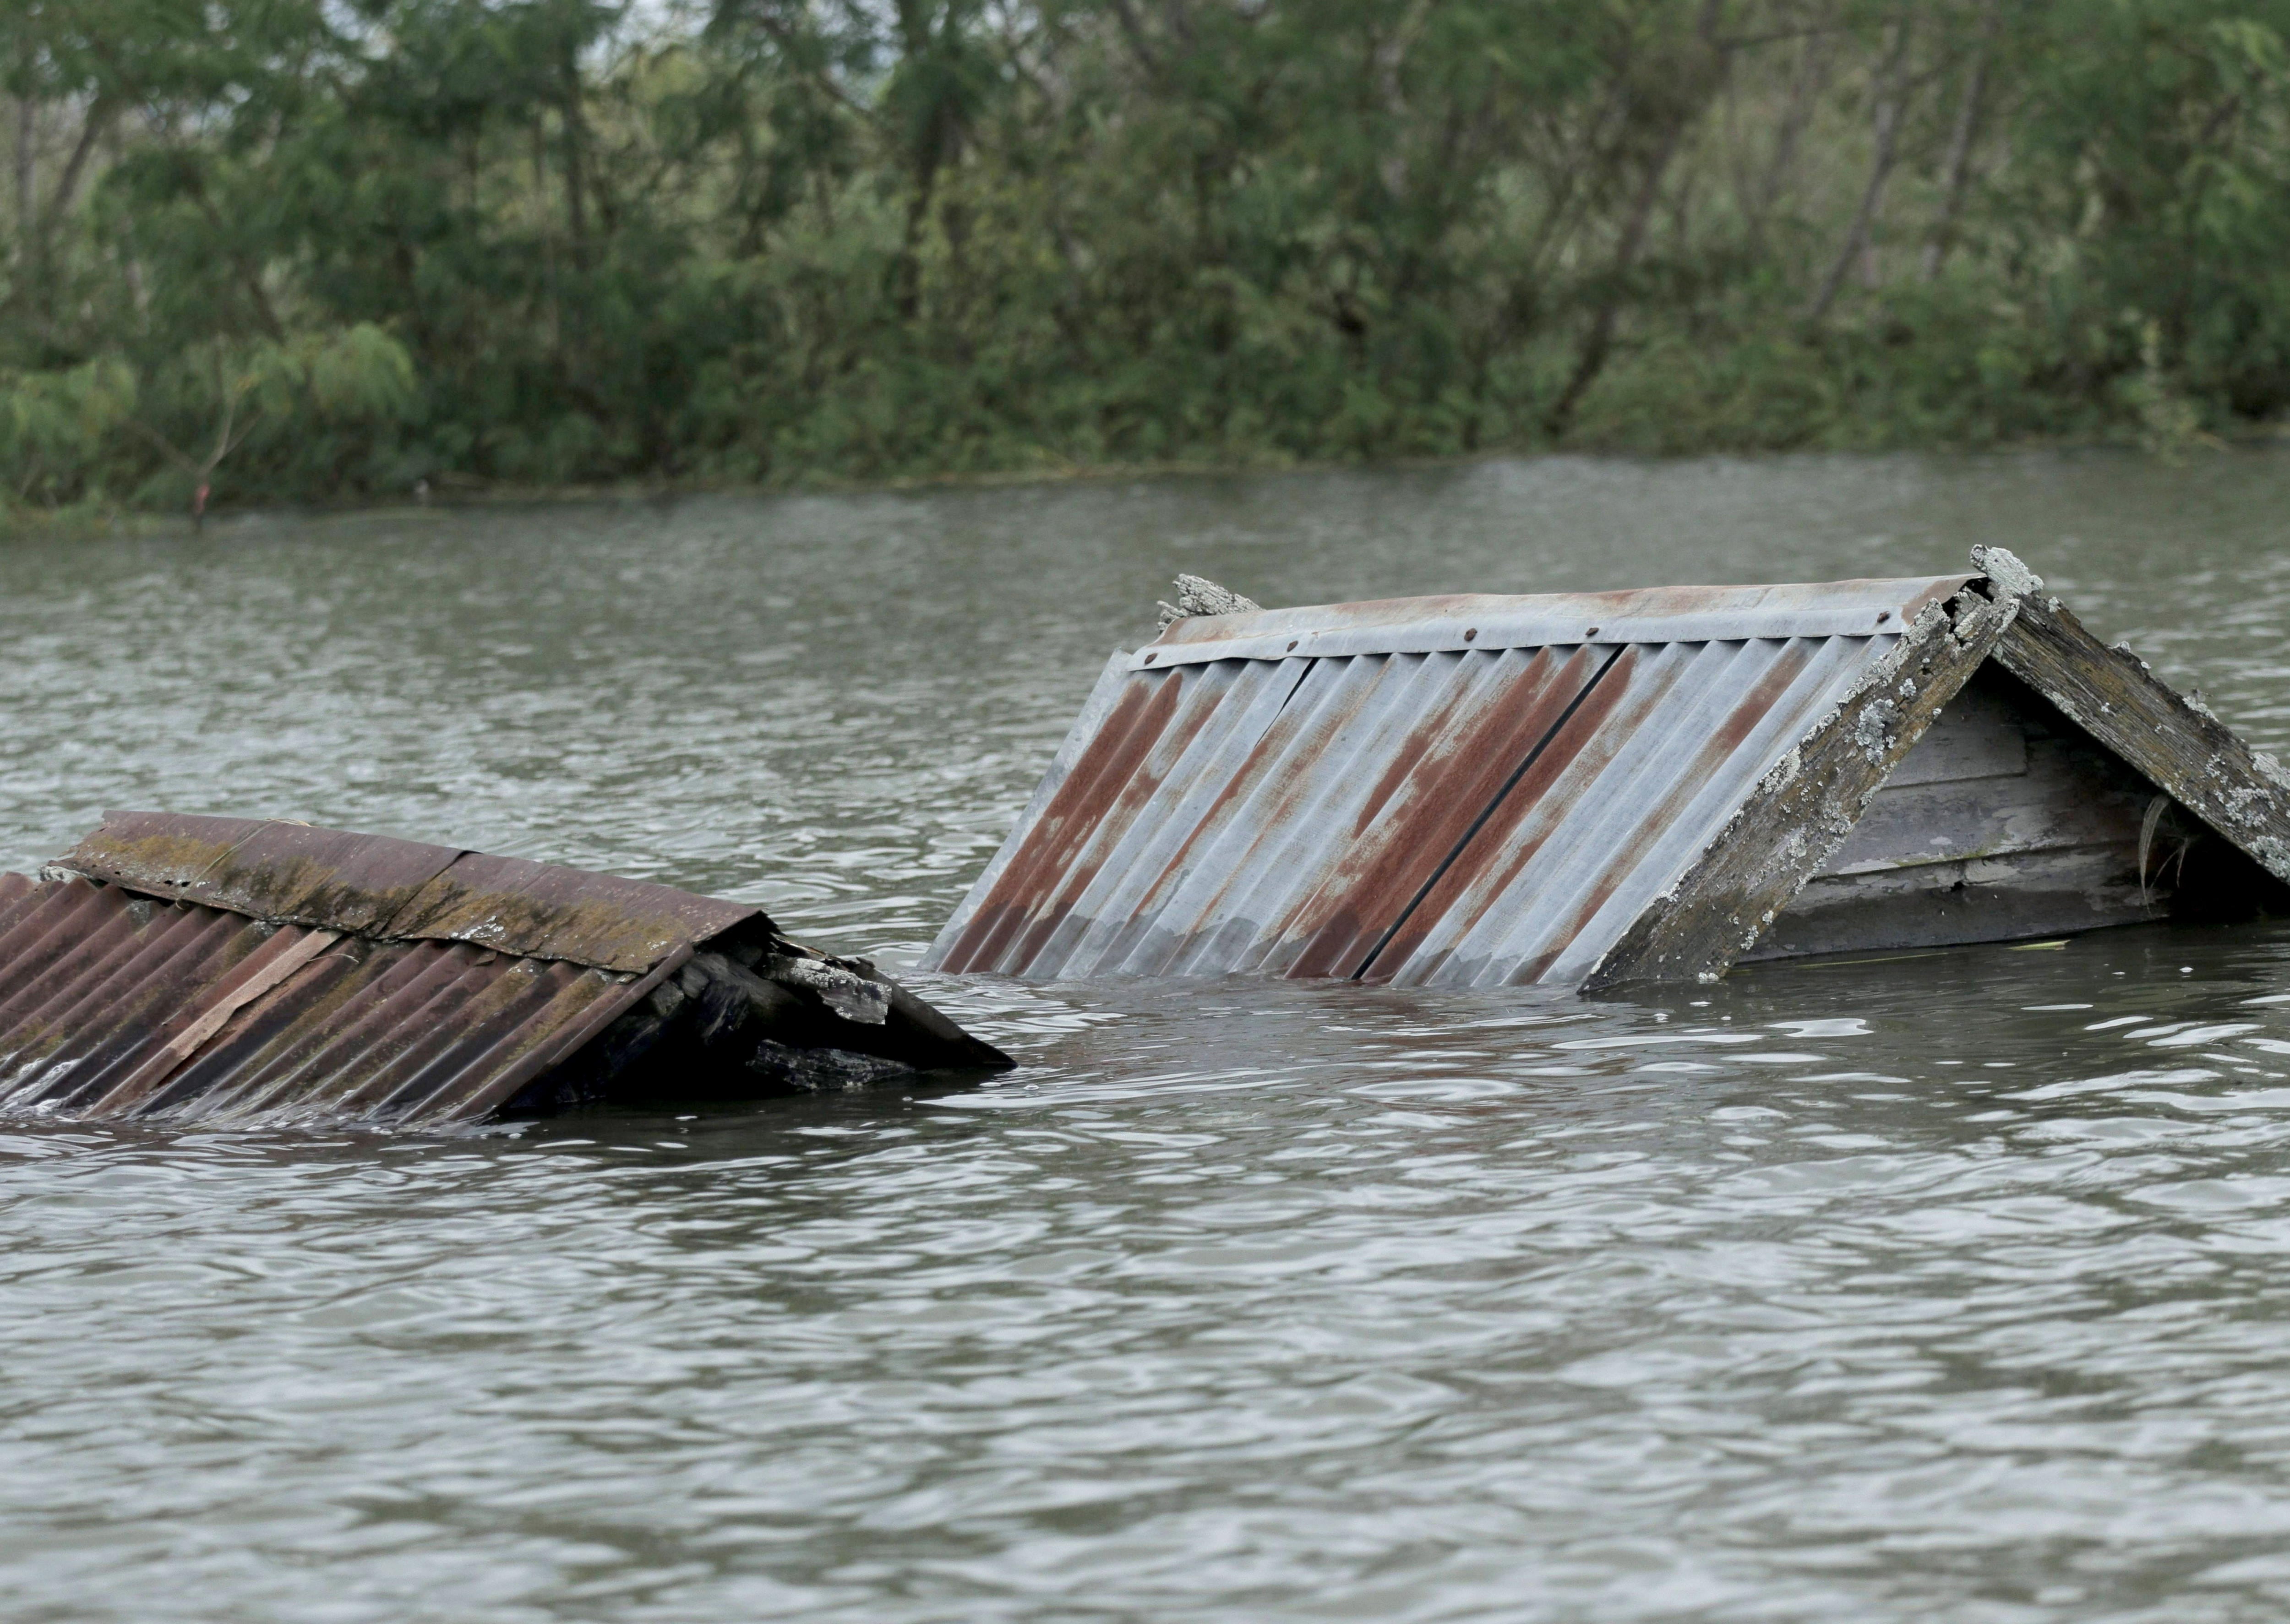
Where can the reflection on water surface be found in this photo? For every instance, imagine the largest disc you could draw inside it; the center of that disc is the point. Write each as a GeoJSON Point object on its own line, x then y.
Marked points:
{"type": "Point", "coordinates": [1950, 1284]}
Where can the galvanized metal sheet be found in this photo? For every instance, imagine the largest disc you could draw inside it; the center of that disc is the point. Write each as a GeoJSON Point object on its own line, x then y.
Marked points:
{"type": "Point", "coordinates": [1459, 815]}
{"type": "Point", "coordinates": [117, 1005]}
{"type": "Point", "coordinates": [1481, 620]}
{"type": "Point", "coordinates": [373, 885]}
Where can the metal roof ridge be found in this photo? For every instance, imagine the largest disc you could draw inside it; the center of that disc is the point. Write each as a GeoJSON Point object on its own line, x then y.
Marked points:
{"type": "Point", "coordinates": [1456, 622]}
{"type": "Point", "coordinates": [386, 889]}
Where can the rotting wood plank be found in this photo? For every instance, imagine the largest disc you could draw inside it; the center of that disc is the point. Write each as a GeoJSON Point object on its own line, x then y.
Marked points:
{"type": "Point", "coordinates": [1809, 803]}
{"type": "Point", "coordinates": [2170, 737]}
{"type": "Point", "coordinates": [1978, 736]}
{"type": "Point", "coordinates": [2015, 896]}
{"type": "Point", "coordinates": [2066, 798]}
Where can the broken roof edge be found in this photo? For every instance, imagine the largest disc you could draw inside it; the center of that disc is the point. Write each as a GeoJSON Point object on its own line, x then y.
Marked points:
{"type": "Point", "coordinates": [1489, 621]}
{"type": "Point", "coordinates": [386, 889]}
{"type": "Point", "coordinates": [1805, 806]}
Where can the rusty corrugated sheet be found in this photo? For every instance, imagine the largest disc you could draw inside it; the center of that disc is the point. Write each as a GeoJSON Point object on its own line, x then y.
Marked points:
{"type": "Point", "coordinates": [378, 886]}
{"type": "Point", "coordinates": [1462, 791]}
{"type": "Point", "coordinates": [114, 1004]}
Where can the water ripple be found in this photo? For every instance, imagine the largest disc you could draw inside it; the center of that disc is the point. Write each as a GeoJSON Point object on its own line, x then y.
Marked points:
{"type": "Point", "coordinates": [1944, 1287]}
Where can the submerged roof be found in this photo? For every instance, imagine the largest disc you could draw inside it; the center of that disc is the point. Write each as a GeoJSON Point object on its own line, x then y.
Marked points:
{"type": "Point", "coordinates": [1481, 790]}
{"type": "Point", "coordinates": [234, 969]}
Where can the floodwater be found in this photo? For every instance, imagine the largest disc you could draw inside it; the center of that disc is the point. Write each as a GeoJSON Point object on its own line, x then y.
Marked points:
{"type": "Point", "coordinates": [1955, 1287]}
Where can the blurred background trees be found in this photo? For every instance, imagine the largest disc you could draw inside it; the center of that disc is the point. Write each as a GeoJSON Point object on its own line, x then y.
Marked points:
{"type": "Point", "coordinates": [313, 250]}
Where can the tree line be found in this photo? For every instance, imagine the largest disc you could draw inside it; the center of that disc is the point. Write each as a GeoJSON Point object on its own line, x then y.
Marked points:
{"type": "Point", "coordinates": [299, 250]}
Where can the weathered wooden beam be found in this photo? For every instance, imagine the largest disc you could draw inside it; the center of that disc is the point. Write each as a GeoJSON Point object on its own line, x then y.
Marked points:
{"type": "Point", "coordinates": [1809, 803]}
{"type": "Point", "coordinates": [2170, 737]}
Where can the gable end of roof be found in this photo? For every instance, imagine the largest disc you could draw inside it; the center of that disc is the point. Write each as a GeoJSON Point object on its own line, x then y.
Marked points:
{"type": "Point", "coordinates": [1805, 806]}
{"type": "Point", "coordinates": [2170, 737]}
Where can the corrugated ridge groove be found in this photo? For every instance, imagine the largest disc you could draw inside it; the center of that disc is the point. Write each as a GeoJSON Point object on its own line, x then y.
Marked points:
{"type": "Point", "coordinates": [1201, 703]}
{"type": "Point", "coordinates": [1835, 667]}
{"type": "Point", "coordinates": [1447, 771]}
{"type": "Point", "coordinates": [219, 1080]}
{"type": "Point", "coordinates": [1590, 824]}
{"type": "Point", "coordinates": [296, 1073]}
{"type": "Point", "coordinates": [1277, 873]}
{"type": "Point", "coordinates": [1508, 841]}
{"type": "Point", "coordinates": [1047, 847]}
{"type": "Point", "coordinates": [1332, 691]}
{"type": "Point", "coordinates": [1160, 850]}
{"type": "Point", "coordinates": [1727, 695]}
{"type": "Point", "coordinates": [1487, 813]}
{"type": "Point", "coordinates": [98, 995]}
{"type": "Point", "coordinates": [1147, 850]}
{"type": "Point", "coordinates": [379, 1066]}
{"type": "Point", "coordinates": [522, 1001]}
{"type": "Point", "coordinates": [110, 1011]}
{"type": "Point", "coordinates": [1691, 803]}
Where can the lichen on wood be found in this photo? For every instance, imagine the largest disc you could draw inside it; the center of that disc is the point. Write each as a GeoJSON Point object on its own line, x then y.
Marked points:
{"type": "Point", "coordinates": [2171, 737]}
{"type": "Point", "coordinates": [1197, 594]}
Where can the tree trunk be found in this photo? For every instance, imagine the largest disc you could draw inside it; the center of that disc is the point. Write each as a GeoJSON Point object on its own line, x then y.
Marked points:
{"type": "Point", "coordinates": [1888, 114]}
{"type": "Point", "coordinates": [1598, 342]}
{"type": "Point", "coordinates": [26, 200]}
{"type": "Point", "coordinates": [576, 187]}
{"type": "Point", "coordinates": [1387, 58]}
{"type": "Point", "coordinates": [50, 218]}
{"type": "Point", "coordinates": [549, 280]}
{"type": "Point", "coordinates": [907, 276]}
{"type": "Point", "coordinates": [1957, 170]}
{"type": "Point", "coordinates": [1804, 87]}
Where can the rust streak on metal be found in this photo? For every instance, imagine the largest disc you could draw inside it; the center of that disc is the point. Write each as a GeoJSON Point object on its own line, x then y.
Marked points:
{"type": "Point", "coordinates": [1387, 880]}
{"type": "Point", "coordinates": [178, 1009]}
{"type": "Point", "coordinates": [1190, 710]}
{"type": "Point", "coordinates": [1653, 821]}
{"type": "Point", "coordinates": [1066, 823]}
{"type": "Point", "coordinates": [1447, 797]}
{"type": "Point", "coordinates": [1514, 832]}
{"type": "Point", "coordinates": [156, 979]}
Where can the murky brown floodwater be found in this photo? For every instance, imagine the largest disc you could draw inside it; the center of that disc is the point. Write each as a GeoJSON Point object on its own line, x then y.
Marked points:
{"type": "Point", "coordinates": [1955, 1286]}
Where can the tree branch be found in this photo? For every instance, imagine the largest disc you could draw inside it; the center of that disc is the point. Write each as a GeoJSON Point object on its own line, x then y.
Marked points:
{"type": "Point", "coordinates": [1888, 114]}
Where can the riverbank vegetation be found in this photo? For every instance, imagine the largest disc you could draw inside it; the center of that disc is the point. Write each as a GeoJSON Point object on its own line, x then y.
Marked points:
{"type": "Point", "coordinates": [301, 250]}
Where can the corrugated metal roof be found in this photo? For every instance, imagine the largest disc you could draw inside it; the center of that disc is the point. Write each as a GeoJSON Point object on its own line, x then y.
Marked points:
{"type": "Point", "coordinates": [257, 971]}
{"type": "Point", "coordinates": [1462, 790]}
{"type": "Point", "coordinates": [116, 1005]}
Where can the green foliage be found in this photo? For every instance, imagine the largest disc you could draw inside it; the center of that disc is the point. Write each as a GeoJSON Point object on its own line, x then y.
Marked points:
{"type": "Point", "coordinates": [301, 252]}
{"type": "Point", "coordinates": [55, 425]}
